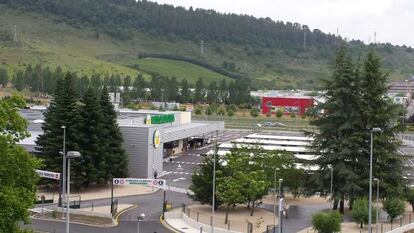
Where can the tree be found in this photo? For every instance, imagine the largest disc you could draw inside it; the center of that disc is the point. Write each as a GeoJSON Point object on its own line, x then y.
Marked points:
{"type": "Point", "coordinates": [228, 192]}
{"type": "Point", "coordinates": [4, 78]}
{"type": "Point", "coordinates": [126, 92]}
{"type": "Point", "coordinates": [18, 81]}
{"type": "Point", "coordinates": [394, 207]}
{"type": "Point", "coordinates": [223, 91]}
{"type": "Point", "coordinates": [185, 91]}
{"type": "Point", "coordinates": [17, 168]}
{"type": "Point", "coordinates": [279, 114]}
{"type": "Point", "coordinates": [139, 87]}
{"type": "Point", "coordinates": [202, 181]}
{"type": "Point", "coordinates": [172, 89]}
{"type": "Point", "coordinates": [62, 111]}
{"type": "Point", "coordinates": [409, 196]}
{"type": "Point", "coordinates": [91, 168]}
{"type": "Point", "coordinates": [360, 212]}
{"type": "Point", "coordinates": [355, 104]}
{"type": "Point", "coordinates": [327, 223]}
{"type": "Point", "coordinates": [209, 111]}
{"type": "Point", "coordinates": [111, 139]}
{"type": "Point", "coordinates": [212, 93]}
{"type": "Point", "coordinates": [199, 93]}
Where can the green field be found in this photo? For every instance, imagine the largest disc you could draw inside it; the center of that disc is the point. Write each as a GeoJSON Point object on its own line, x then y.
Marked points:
{"type": "Point", "coordinates": [179, 69]}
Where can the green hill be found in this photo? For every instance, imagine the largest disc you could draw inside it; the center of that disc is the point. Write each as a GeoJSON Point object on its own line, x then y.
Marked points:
{"type": "Point", "coordinates": [106, 36]}
{"type": "Point", "coordinates": [178, 69]}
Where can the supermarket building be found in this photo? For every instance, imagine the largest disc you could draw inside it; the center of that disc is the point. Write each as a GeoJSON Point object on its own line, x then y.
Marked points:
{"type": "Point", "coordinates": [149, 136]}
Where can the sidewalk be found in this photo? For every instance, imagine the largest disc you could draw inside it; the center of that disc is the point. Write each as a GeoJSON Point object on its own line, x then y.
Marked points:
{"type": "Point", "coordinates": [179, 224]}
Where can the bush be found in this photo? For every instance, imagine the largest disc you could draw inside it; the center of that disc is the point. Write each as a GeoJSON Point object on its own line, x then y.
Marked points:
{"type": "Point", "coordinates": [231, 107]}
{"type": "Point", "coordinates": [279, 114]}
{"type": "Point", "coordinates": [360, 212]}
{"type": "Point", "coordinates": [197, 111]}
{"type": "Point", "coordinates": [293, 115]}
{"type": "Point", "coordinates": [327, 223]}
{"type": "Point", "coordinates": [230, 113]}
{"type": "Point", "coordinates": [254, 112]}
{"type": "Point", "coordinates": [221, 111]}
{"type": "Point", "coordinates": [208, 111]}
{"type": "Point", "coordinates": [394, 207]}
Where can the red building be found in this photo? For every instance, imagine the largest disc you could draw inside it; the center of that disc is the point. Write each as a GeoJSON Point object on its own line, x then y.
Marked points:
{"type": "Point", "coordinates": [286, 104]}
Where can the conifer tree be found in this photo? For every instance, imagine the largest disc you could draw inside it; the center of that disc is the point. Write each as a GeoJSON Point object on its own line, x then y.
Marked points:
{"type": "Point", "coordinates": [111, 138]}
{"type": "Point", "coordinates": [91, 167]}
{"type": "Point", "coordinates": [62, 111]}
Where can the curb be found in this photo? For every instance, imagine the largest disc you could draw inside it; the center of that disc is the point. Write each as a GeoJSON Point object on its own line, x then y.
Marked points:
{"type": "Point", "coordinates": [116, 219]}
{"type": "Point", "coordinates": [168, 226]}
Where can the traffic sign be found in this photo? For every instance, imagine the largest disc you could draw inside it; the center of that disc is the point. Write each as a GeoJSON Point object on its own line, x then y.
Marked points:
{"type": "Point", "coordinates": [158, 183]}
{"type": "Point", "coordinates": [47, 174]}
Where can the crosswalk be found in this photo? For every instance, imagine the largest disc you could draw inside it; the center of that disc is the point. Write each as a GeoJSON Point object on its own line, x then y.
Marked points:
{"type": "Point", "coordinates": [177, 173]}
{"type": "Point", "coordinates": [181, 162]}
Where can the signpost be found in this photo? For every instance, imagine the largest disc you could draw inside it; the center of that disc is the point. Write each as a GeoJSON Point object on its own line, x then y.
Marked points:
{"type": "Point", "coordinates": [47, 174]}
{"type": "Point", "coordinates": [157, 183]}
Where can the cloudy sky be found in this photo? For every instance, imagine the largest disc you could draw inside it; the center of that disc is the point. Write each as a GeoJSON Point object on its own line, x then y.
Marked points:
{"type": "Point", "coordinates": [392, 20]}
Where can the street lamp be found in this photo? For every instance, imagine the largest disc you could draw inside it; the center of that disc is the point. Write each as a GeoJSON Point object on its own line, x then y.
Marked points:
{"type": "Point", "coordinates": [70, 155]}
{"type": "Point", "coordinates": [377, 204]}
{"type": "Point", "coordinates": [140, 218]}
{"type": "Point", "coordinates": [214, 184]}
{"type": "Point", "coordinates": [63, 188]}
{"type": "Point", "coordinates": [274, 193]}
{"type": "Point", "coordinates": [280, 187]}
{"type": "Point", "coordinates": [331, 168]}
{"type": "Point", "coordinates": [373, 130]}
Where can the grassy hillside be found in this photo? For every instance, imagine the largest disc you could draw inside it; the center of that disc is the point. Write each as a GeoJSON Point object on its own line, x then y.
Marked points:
{"type": "Point", "coordinates": [178, 69]}
{"type": "Point", "coordinates": [86, 50]}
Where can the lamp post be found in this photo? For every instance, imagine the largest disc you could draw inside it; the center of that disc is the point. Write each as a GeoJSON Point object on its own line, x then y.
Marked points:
{"type": "Point", "coordinates": [140, 218]}
{"type": "Point", "coordinates": [377, 204]}
{"type": "Point", "coordinates": [214, 184]}
{"type": "Point", "coordinates": [274, 206]}
{"type": "Point", "coordinates": [373, 130]}
{"type": "Point", "coordinates": [70, 155]}
{"type": "Point", "coordinates": [280, 187]}
{"type": "Point", "coordinates": [331, 190]}
{"type": "Point", "coordinates": [63, 188]}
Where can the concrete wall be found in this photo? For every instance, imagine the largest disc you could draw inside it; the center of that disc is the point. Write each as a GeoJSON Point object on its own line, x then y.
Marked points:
{"type": "Point", "coordinates": [193, 223]}
{"type": "Point", "coordinates": [403, 229]}
{"type": "Point", "coordinates": [136, 146]}
{"type": "Point", "coordinates": [155, 155]}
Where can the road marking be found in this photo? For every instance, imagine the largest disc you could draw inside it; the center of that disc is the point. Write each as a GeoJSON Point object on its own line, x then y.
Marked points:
{"type": "Point", "coordinates": [181, 178]}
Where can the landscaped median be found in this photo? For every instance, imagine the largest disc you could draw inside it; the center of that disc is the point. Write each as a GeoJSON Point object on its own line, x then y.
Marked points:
{"type": "Point", "coordinates": [99, 217]}
{"type": "Point", "coordinates": [192, 218]}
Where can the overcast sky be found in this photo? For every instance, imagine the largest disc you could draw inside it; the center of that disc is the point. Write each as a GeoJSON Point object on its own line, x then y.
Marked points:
{"type": "Point", "coordinates": [393, 20]}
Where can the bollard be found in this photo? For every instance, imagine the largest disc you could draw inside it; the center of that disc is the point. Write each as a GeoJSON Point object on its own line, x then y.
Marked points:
{"type": "Point", "coordinates": [197, 216]}
{"type": "Point", "coordinates": [400, 222]}
{"type": "Point", "coordinates": [391, 225]}
{"type": "Point", "coordinates": [228, 225]}
{"type": "Point", "coordinates": [409, 218]}
{"type": "Point", "coordinates": [381, 228]}
{"type": "Point", "coordinates": [201, 229]}
{"type": "Point", "coordinates": [92, 206]}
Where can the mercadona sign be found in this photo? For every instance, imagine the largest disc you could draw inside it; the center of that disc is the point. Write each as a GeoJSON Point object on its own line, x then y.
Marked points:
{"type": "Point", "coordinates": [135, 181]}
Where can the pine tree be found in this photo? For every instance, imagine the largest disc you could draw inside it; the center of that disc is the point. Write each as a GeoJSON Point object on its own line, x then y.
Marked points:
{"type": "Point", "coordinates": [111, 138]}
{"type": "Point", "coordinates": [62, 111]}
{"type": "Point", "coordinates": [380, 111]}
{"type": "Point", "coordinates": [199, 92]}
{"type": "Point", "coordinates": [91, 167]}
{"type": "Point", "coordinates": [18, 81]}
{"type": "Point", "coordinates": [338, 120]}
{"type": "Point", "coordinates": [185, 91]}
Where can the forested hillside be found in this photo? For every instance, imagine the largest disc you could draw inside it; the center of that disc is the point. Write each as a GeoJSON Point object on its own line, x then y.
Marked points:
{"type": "Point", "coordinates": [108, 36]}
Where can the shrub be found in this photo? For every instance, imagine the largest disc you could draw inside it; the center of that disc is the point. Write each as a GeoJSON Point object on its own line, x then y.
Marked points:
{"type": "Point", "coordinates": [279, 114]}
{"type": "Point", "coordinates": [254, 112]}
{"type": "Point", "coordinates": [394, 207]}
{"type": "Point", "coordinates": [231, 107]}
{"type": "Point", "coordinates": [197, 111]}
{"type": "Point", "coordinates": [293, 115]}
{"type": "Point", "coordinates": [208, 111]}
{"type": "Point", "coordinates": [230, 113]}
{"type": "Point", "coordinates": [327, 223]}
{"type": "Point", "coordinates": [360, 212]}
{"type": "Point", "coordinates": [221, 111]}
